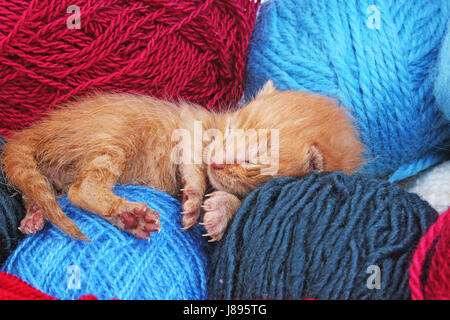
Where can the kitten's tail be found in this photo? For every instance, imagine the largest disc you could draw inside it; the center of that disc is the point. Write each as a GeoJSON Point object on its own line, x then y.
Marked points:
{"type": "Point", "coordinates": [21, 170]}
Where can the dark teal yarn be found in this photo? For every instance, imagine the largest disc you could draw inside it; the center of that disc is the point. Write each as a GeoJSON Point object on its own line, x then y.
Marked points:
{"type": "Point", "coordinates": [316, 236]}
{"type": "Point", "coordinates": [11, 212]}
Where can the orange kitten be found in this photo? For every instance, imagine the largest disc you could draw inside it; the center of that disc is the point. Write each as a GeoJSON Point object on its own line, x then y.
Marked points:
{"type": "Point", "coordinates": [86, 147]}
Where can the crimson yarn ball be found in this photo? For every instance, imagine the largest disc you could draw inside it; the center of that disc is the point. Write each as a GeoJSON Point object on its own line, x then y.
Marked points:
{"type": "Point", "coordinates": [430, 269]}
{"type": "Point", "coordinates": [193, 50]}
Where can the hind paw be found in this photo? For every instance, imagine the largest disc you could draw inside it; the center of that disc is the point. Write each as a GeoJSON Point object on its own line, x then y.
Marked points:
{"type": "Point", "coordinates": [33, 221]}
{"type": "Point", "coordinates": [138, 219]}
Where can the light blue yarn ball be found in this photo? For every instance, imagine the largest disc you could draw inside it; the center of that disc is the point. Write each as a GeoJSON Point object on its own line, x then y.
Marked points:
{"type": "Point", "coordinates": [115, 264]}
{"type": "Point", "coordinates": [442, 81]}
{"type": "Point", "coordinates": [375, 56]}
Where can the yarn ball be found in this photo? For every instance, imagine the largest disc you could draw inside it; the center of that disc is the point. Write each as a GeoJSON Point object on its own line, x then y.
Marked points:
{"type": "Point", "coordinates": [11, 212]}
{"type": "Point", "coordinates": [14, 288]}
{"type": "Point", "coordinates": [115, 264]}
{"type": "Point", "coordinates": [430, 270]}
{"type": "Point", "coordinates": [51, 51]}
{"type": "Point", "coordinates": [438, 281]}
{"type": "Point", "coordinates": [442, 81]}
{"type": "Point", "coordinates": [432, 185]}
{"type": "Point", "coordinates": [375, 57]}
{"type": "Point", "coordinates": [322, 236]}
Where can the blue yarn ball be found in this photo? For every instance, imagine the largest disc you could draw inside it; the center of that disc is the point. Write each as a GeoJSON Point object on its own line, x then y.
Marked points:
{"type": "Point", "coordinates": [11, 212]}
{"type": "Point", "coordinates": [442, 81]}
{"type": "Point", "coordinates": [115, 264]}
{"type": "Point", "coordinates": [376, 57]}
{"type": "Point", "coordinates": [321, 236]}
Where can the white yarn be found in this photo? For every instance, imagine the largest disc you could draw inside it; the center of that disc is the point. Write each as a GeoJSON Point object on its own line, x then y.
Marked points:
{"type": "Point", "coordinates": [433, 186]}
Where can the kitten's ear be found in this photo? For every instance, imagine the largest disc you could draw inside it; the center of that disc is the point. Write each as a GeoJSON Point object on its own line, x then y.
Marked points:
{"type": "Point", "coordinates": [315, 159]}
{"type": "Point", "coordinates": [267, 88]}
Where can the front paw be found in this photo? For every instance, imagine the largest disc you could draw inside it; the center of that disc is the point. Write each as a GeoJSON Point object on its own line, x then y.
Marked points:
{"type": "Point", "coordinates": [192, 201]}
{"type": "Point", "coordinates": [219, 209]}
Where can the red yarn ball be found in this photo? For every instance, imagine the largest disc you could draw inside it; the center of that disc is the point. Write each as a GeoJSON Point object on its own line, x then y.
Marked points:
{"type": "Point", "coordinates": [177, 49]}
{"type": "Point", "coordinates": [430, 268]}
{"type": "Point", "coordinates": [14, 288]}
{"type": "Point", "coordinates": [438, 282]}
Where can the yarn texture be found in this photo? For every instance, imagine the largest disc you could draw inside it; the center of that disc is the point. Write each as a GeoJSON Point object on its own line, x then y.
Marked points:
{"type": "Point", "coordinates": [323, 236]}
{"type": "Point", "coordinates": [193, 50]}
{"type": "Point", "coordinates": [432, 185]}
{"type": "Point", "coordinates": [11, 212]}
{"type": "Point", "coordinates": [438, 281]}
{"type": "Point", "coordinates": [115, 264]}
{"type": "Point", "coordinates": [430, 270]}
{"type": "Point", "coordinates": [376, 58]}
{"type": "Point", "coordinates": [14, 288]}
{"type": "Point", "coordinates": [442, 82]}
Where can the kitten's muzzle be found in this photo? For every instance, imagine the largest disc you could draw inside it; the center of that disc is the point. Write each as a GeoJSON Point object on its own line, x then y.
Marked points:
{"type": "Point", "coordinates": [217, 166]}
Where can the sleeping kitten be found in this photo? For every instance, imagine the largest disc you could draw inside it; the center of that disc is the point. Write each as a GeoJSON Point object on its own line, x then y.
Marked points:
{"type": "Point", "coordinates": [86, 147]}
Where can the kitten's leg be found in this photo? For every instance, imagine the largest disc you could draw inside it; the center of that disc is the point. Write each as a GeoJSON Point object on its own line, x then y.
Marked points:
{"type": "Point", "coordinates": [220, 208]}
{"type": "Point", "coordinates": [92, 191]}
{"type": "Point", "coordinates": [193, 178]}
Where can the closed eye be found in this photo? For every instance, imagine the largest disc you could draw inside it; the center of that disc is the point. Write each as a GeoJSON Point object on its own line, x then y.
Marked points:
{"type": "Point", "coordinates": [248, 164]}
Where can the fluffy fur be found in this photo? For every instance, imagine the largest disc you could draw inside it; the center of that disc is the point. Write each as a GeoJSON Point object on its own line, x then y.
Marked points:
{"type": "Point", "coordinates": [86, 147]}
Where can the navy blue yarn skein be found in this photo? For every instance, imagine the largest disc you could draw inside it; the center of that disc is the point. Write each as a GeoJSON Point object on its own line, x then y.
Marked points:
{"type": "Point", "coordinates": [11, 212]}
{"type": "Point", "coordinates": [317, 237]}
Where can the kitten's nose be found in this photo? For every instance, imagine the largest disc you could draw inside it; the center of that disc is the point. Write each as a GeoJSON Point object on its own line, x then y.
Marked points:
{"type": "Point", "coordinates": [215, 165]}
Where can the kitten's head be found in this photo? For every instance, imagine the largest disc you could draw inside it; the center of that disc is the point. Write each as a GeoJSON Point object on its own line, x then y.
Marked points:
{"type": "Point", "coordinates": [281, 133]}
